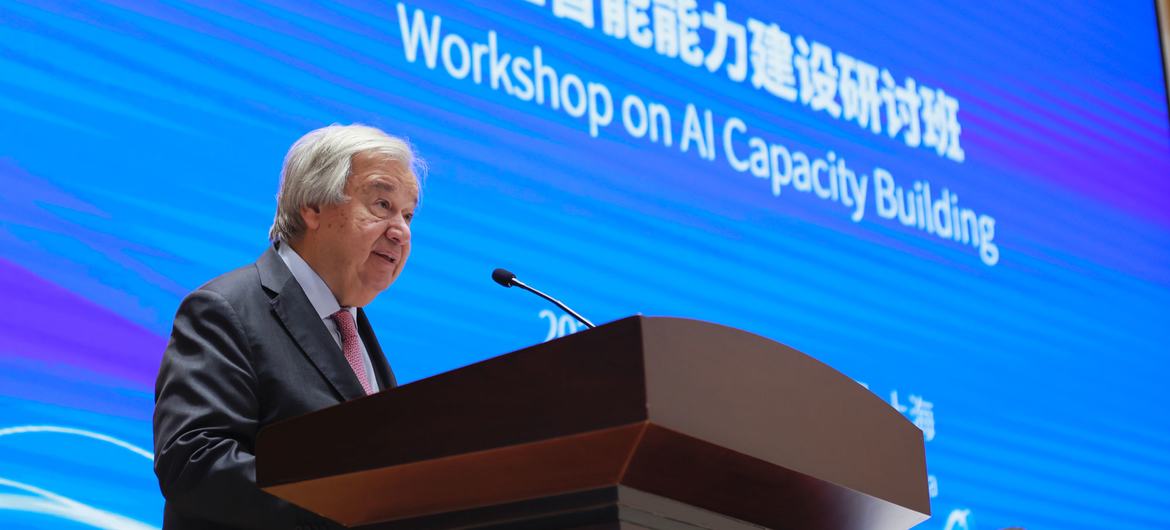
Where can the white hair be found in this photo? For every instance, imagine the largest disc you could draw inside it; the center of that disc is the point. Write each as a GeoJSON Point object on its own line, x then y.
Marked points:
{"type": "Point", "coordinates": [317, 167]}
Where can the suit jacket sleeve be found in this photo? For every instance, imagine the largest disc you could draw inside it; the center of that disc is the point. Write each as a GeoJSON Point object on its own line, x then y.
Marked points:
{"type": "Point", "coordinates": [207, 418]}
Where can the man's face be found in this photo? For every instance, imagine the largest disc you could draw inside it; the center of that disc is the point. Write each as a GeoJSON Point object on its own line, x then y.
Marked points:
{"type": "Point", "coordinates": [363, 243]}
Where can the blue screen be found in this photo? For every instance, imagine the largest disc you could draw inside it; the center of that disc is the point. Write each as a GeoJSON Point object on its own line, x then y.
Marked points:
{"type": "Point", "coordinates": [965, 208]}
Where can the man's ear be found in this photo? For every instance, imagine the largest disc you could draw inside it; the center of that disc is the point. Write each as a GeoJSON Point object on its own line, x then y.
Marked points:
{"type": "Point", "coordinates": [312, 216]}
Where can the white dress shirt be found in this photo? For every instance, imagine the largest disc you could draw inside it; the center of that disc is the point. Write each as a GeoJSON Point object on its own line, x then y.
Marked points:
{"type": "Point", "coordinates": [324, 302]}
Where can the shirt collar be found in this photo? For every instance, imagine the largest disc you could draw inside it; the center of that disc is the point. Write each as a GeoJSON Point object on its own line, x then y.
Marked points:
{"type": "Point", "coordinates": [311, 283]}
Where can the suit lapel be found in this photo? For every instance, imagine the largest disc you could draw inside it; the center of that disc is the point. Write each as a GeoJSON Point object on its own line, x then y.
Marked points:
{"type": "Point", "coordinates": [302, 323]}
{"type": "Point", "coordinates": [382, 369]}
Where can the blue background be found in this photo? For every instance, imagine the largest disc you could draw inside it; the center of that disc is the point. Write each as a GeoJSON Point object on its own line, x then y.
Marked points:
{"type": "Point", "coordinates": [140, 149]}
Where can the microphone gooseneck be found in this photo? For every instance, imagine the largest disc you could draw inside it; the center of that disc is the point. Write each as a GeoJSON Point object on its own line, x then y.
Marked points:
{"type": "Point", "coordinates": [507, 279]}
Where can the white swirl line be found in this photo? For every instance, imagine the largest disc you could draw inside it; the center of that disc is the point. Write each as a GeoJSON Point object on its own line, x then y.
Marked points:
{"type": "Point", "coordinates": [53, 504]}
{"type": "Point", "coordinates": [23, 429]}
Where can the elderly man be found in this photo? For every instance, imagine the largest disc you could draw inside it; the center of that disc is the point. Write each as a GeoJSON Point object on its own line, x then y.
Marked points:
{"type": "Point", "coordinates": [285, 335]}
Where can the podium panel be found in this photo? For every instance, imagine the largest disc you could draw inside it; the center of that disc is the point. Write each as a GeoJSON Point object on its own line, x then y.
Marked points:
{"type": "Point", "coordinates": [716, 419]}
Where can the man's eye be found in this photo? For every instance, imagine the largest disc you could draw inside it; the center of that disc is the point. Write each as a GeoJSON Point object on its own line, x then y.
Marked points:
{"type": "Point", "coordinates": [408, 217]}
{"type": "Point", "coordinates": [382, 203]}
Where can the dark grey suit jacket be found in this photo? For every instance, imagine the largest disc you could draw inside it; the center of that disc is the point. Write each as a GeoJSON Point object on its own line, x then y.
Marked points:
{"type": "Point", "coordinates": [247, 349]}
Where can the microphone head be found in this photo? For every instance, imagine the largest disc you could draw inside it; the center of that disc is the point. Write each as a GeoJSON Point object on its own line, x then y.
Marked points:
{"type": "Point", "coordinates": [503, 277]}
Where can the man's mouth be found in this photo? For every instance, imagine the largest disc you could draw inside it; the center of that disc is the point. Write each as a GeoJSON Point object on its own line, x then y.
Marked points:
{"type": "Point", "coordinates": [386, 256]}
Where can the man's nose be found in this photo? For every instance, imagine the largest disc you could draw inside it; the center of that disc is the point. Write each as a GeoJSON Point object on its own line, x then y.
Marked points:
{"type": "Point", "coordinates": [399, 231]}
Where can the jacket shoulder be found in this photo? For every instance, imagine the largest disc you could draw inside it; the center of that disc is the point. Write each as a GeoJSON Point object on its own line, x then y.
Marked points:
{"type": "Point", "coordinates": [260, 280]}
{"type": "Point", "coordinates": [244, 280]}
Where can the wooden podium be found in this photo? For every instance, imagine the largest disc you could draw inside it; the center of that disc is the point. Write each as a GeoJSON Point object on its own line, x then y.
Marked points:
{"type": "Point", "coordinates": [641, 423]}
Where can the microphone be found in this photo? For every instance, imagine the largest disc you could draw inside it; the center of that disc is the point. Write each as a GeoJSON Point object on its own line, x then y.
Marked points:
{"type": "Point", "coordinates": [507, 279]}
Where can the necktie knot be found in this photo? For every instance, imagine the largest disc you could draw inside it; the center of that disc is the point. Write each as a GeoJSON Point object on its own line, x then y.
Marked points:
{"type": "Point", "coordinates": [351, 347]}
{"type": "Point", "coordinates": [345, 324]}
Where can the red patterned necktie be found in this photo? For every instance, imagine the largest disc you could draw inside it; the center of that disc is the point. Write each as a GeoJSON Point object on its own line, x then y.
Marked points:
{"type": "Point", "coordinates": [351, 347]}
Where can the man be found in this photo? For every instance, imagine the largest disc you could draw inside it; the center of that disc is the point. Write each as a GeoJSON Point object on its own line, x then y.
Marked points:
{"type": "Point", "coordinates": [285, 335]}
